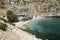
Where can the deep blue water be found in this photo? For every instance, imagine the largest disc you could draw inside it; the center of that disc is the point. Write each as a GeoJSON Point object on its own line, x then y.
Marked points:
{"type": "Point", "coordinates": [45, 28]}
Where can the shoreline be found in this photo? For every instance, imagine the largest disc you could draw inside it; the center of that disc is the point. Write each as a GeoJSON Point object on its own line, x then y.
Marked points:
{"type": "Point", "coordinates": [21, 24]}
{"type": "Point", "coordinates": [22, 33]}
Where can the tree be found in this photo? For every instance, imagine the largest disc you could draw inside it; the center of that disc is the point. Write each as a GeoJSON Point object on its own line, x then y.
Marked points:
{"type": "Point", "coordinates": [12, 17]}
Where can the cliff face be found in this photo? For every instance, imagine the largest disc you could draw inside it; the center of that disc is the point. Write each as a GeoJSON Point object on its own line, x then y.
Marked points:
{"type": "Point", "coordinates": [34, 7]}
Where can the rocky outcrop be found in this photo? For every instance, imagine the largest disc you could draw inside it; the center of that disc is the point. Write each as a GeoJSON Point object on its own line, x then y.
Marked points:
{"type": "Point", "coordinates": [35, 7]}
{"type": "Point", "coordinates": [14, 33]}
{"type": "Point", "coordinates": [8, 35]}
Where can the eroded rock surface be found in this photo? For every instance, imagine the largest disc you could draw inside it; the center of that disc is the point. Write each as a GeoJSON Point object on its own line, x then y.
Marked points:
{"type": "Point", "coordinates": [34, 7]}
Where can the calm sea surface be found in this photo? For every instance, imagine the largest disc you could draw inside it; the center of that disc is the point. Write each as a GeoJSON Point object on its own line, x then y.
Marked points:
{"type": "Point", "coordinates": [45, 28]}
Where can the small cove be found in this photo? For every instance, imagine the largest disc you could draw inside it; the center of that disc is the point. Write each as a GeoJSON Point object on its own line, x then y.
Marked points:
{"type": "Point", "coordinates": [45, 28]}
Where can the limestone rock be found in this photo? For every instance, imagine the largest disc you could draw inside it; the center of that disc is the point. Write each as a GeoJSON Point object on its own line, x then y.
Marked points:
{"type": "Point", "coordinates": [8, 35]}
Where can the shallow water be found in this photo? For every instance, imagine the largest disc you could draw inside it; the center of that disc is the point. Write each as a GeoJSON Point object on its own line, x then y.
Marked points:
{"type": "Point", "coordinates": [45, 28]}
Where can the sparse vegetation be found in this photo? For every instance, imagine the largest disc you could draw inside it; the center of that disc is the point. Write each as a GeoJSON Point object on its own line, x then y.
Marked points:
{"type": "Point", "coordinates": [3, 26]}
{"type": "Point", "coordinates": [7, 21]}
{"type": "Point", "coordinates": [12, 17]}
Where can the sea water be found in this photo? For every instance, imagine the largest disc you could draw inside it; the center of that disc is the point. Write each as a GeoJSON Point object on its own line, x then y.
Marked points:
{"type": "Point", "coordinates": [45, 28]}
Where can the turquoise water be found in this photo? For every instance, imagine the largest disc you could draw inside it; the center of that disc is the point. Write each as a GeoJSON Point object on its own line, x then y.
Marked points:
{"type": "Point", "coordinates": [45, 28]}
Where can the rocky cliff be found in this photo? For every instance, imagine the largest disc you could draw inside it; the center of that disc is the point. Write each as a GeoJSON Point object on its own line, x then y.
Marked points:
{"type": "Point", "coordinates": [15, 33]}
{"type": "Point", "coordinates": [31, 8]}
{"type": "Point", "coordinates": [34, 7]}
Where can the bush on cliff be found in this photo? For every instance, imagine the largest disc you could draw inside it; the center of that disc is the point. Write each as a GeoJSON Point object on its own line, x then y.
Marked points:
{"type": "Point", "coordinates": [12, 17]}
{"type": "Point", "coordinates": [3, 26]}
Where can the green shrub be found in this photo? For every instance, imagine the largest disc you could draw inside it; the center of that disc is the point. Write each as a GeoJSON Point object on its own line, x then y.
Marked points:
{"type": "Point", "coordinates": [3, 26]}
{"type": "Point", "coordinates": [12, 17]}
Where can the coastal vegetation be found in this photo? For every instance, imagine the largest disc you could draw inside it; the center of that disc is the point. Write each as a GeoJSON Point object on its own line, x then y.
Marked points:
{"type": "Point", "coordinates": [11, 17]}
{"type": "Point", "coordinates": [6, 21]}
{"type": "Point", "coordinates": [3, 26]}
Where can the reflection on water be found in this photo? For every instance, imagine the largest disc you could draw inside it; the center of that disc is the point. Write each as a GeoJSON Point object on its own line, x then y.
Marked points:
{"type": "Point", "coordinates": [45, 28]}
